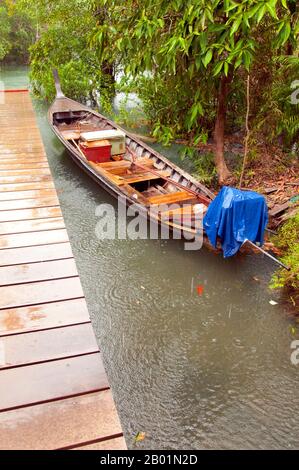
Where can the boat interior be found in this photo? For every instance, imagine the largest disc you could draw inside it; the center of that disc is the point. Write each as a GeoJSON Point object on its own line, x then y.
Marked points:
{"type": "Point", "coordinates": [138, 173]}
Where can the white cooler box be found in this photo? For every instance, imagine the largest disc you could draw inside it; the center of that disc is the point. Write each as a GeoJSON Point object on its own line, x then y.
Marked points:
{"type": "Point", "coordinates": [116, 138]}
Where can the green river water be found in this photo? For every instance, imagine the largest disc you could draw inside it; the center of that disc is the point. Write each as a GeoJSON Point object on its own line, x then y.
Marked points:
{"type": "Point", "coordinates": [192, 372]}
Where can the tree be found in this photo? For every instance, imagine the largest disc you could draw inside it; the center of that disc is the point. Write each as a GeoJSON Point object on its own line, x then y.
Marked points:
{"type": "Point", "coordinates": [62, 41]}
{"type": "Point", "coordinates": [5, 29]}
{"type": "Point", "coordinates": [195, 38]}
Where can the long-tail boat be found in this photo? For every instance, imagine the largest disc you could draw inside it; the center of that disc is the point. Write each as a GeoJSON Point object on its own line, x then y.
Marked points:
{"type": "Point", "coordinates": [139, 174]}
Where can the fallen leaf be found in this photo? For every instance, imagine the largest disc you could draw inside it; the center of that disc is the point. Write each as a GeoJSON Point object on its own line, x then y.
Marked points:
{"type": "Point", "coordinates": [140, 436]}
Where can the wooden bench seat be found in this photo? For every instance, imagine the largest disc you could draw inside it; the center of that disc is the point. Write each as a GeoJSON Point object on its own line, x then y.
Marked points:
{"type": "Point", "coordinates": [139, 177]}
{"type": "Point", "coordinates": [170, 198]}
{"type": "Point", "coordinates": [121, 166]}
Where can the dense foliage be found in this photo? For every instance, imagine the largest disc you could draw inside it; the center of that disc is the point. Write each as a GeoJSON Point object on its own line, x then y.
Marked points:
{"type": "Point", "coordinates": [188, 60]}
{"type": "Point", "coordinates": [194, 56]}
{"type": "Point", "coordinates": [287, 240]}
{"type": "Point", "coordinates": [17, 34]}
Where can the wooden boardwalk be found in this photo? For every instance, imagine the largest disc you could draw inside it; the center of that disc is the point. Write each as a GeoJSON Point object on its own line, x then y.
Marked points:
{"type": "Point", "coordinates": [54, 392]}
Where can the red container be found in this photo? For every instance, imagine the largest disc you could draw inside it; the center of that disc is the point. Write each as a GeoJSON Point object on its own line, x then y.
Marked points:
{"type": "Point", "coordinates": [97, 152]}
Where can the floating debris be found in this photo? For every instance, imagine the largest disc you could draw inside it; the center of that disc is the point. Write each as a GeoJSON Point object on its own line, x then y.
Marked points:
{"type": "Point", "coordinates": [140, 436]}
{"type": "Point", "coordinates": [199, 289]}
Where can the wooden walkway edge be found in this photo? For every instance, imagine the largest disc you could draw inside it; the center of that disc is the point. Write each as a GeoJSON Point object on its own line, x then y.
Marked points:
{"type": "Point", "coordinates": [54, 392]}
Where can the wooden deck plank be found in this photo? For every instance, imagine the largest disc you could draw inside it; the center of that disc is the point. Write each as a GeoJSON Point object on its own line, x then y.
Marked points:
{"type": "Point", "coordinates": [79, 419]}
{"type": "Point", "coordinates": [21, 158]}
{"type": "Point", "coordinates": [40, 292]}
{"type": "Point", "coordinates": [25, 165]}
{"type": "Point", "coordinates": [33, 272]}
{"type": "Point", "coordinates": [117, 443]}
{"type": "Point", "coordinates": [41, 317]}
{"type": "Point", "coordinates": [26, 186]}
{"type": "Point", "coordinates": [24, 172]}
{"type": "Point", "coordinates": [25, 178]}
{"type": "Point", "coordinates": [52, 380]}
{"type": "Point", "coordinates": [51, 371]}
{"type": "Point", "coordinates": [29, 214]}
{"type": "Point", "coordinates": [22, 226]}
{"type": "Point", "coordinates": [26, 147]}
{"type": "Point", "coordinates": [28, 204]}
{"type": "Point", "coordinates": [19, 240]}
{"type": "Point", "coordinates": [35, 254]}
{"type": "Point", "coordinates": [47, 345]}
{"type": "Point", "coordinates": [28, 194]}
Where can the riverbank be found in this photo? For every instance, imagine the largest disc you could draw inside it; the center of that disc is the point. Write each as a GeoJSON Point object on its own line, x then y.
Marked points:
{"type": "Point", "coordinates": [273, 173]}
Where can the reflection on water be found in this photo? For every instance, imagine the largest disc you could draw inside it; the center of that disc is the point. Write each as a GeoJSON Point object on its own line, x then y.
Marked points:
{"type": "Point", "coordinates": [209, 371]}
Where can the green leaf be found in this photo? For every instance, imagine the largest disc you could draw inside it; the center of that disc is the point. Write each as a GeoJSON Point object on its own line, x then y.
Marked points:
{"type": "Point", "coordinates": [226, 68]}
{"type": "Point", "coordinates": [247, 59]}
{"type": "Point", "coordinates": [208, 57]}
{"type": "Point", "coordinates": [284, 34]}
{"type": "Point", "coordinates": [261, 13]}
{"type": "Point", "coordinates": [284, 4]}
{"type": "Point", "coordinates": [235, 25]}
{"type": "Point", "coordinates": [271, 9]}
{"type": "Point", "coordinates": [198, 62]}
{"type": "Point", "coordinates": [253, 10]}
{"type": "Point", "coordinates": [238, 62]}
{"type": "Point", "coordinates": [203, 40]}
{"type": "Point", "coordinates": [217, 68]}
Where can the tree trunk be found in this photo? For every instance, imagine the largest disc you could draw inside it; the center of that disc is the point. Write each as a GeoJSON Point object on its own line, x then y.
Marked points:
{"type": "Point", "coordinates": [222, 170]}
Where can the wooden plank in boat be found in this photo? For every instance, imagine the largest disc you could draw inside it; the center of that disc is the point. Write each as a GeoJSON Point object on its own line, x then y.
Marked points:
{"type": "Point", "coordinates": [129, 179]}
{"type": "Point", "coordinates": [39, 271]}
{"type": "Point", "coordinates": [184, 228]}
{"type": "Point", "coordinates": [22, 226]}
{"type": "Point", "coordinates": [81, 419]}
{"type": "Point", "coordinates": [40, 346]}
{"type": "Point", "coordinates": [133, 193]}
{"type": "Point", "coordinates": [26, 186]}
{"type": "Point", "coordinates": [33, 238]}
{"type": "Point", "coordinates": [35, 254]}
{"type": "Point", "coordinates": [52, 380]}
{"type": "Point", "coordinates": [119, 167]}
{"type": "Point", "coordinates": [40, 292]}
{"type": "Point", "coordinates": [101, 171]}
{"type": "Point", "coordinates": [28, 194]}
{"type": "Point", "coordinates": [125, 163]}
{"type": "Point", "coordinates": [186, 209]}
{"type": "Point", "coordinates": [29, 214]}
{"type": "Point", "coordinates": [25, 178]}
{"type": "Point", "coordinates": [28, 204]}
{"type": "Point", "coordinates": [170, 198]}
{"type": "Point", "coordinates": [42, 317]}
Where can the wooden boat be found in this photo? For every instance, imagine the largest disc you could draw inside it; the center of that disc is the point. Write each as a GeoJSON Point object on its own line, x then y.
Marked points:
{"type": "Point", "coordinates": [141, 175]}
{"type": "Point", "coordinates": [162, 191]}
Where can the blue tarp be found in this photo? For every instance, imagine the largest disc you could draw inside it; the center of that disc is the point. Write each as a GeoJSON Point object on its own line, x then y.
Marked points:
{"type": "Point", "coordinates": [236, 216]}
